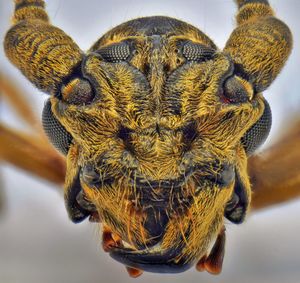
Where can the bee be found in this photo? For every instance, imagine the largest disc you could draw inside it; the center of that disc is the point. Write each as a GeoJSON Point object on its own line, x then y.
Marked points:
{"type": "Point", "coordinates": [157, 125]}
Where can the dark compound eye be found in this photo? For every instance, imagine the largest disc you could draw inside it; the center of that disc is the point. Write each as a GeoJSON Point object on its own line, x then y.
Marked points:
{"type": "Point", "coordinates": [236, 90]}
{"type": "Point", "coordinates": [55, 131]}
{"type": "Point", "coordinates": [259, 132]}
{"type": "Point", "coordinates": [197, 52]}
{"type": "Point", "coordinates": [116, 52]}
{"type": "Point", "coordinates": [78, 91]}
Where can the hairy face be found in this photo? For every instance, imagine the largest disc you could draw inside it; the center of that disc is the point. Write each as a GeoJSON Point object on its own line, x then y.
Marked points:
{"type": "Point", "coordinates": [156, 124]}
{"type": "Point", "coordinates": [156, 119]}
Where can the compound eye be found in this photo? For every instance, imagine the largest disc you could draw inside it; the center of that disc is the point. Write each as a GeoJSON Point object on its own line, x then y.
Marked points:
{"type": "Point", "coordinates": [78, 91]}
{"type": "Point", "coordinates": [116, 52]}
{"type": "Point", "coordinates": [197, 52]}
{"type": "Point", "coordinates": [259, 132]}
{"type": "Point", "coordinates": [57, 134]}
{"type": "Point", "coordinates": [236, 90]}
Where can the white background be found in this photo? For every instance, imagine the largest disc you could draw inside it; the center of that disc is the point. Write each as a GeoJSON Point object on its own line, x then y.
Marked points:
{"type": "Point", "coordinates": [37, 241]}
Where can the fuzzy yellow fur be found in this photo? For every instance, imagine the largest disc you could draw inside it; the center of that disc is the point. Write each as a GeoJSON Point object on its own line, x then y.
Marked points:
{"type": "Point", "coordinates": [127, 95]}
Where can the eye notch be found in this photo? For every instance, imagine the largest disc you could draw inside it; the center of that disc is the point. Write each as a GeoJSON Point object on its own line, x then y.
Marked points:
{"type": "Point", "coordinates": [78, 91]}
{"type": "Point", "coordinates": [236, 90]}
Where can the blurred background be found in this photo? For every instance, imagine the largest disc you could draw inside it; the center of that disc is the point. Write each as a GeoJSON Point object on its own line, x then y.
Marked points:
{"type": "Point", "coordinates": [37, 241]}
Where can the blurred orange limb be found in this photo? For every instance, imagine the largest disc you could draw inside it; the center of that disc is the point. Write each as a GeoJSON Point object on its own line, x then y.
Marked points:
{"type": "Point", "coordinates": [32, 154]}
{"type": "Point", "coordinates": [19, 103]}
{"type": "Point", "coordinates": [275, 173]}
